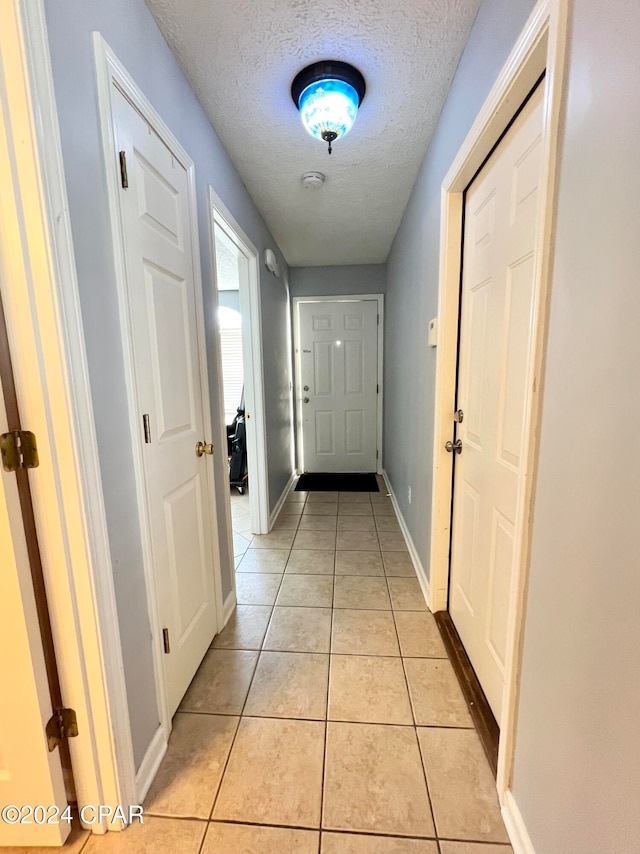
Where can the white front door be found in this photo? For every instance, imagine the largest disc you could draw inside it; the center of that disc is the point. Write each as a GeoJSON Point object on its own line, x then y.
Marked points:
{"type": "Point", "coordinates": [338, 355]}
{"type": "Point", "coordinates": [29, 774]}
{"type": "Point", "coordinates": [164, 324]}
{"type": "Point", "coordinates": [495, 350]}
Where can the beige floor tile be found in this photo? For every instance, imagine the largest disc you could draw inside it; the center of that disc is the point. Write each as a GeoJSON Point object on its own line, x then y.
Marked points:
{"type": "Point", "coordinates": [155, 836]}
{"type": "Point", "coordinates": [356, 523]}
{"type": "Point", "coordinates": [287, 522]}
{"type": "Point", "coordinates": [359, 563]}
{"type": "Point", "coordinates": [473, 848]}
{"type": "Point", "coordinates": [368, 689]}
{"type": "Point", "coordinates": [367, 593]}
{"type": "Point", "coordinates": [299, 630]}
{"type": "Point", "coordinates": [310, 591]}
{"type": "Point", "coordinates": [361, 541]}
{"type": "Point", "coordinates": [461, 785]}
{"type": "Point", "coordinates": [358, 497]}
{"type": "Point", "coordinates": [73, 844]}
{"type": "Point", "coordinates": [317, 523]}
{"type": "Point", "coordinates": [355, 508]}
{"type": "Point", "coordinates": [374, 781]}
{"type": "Point", "coordinates": [398, 564]}
{"type": "Point", "coordinates": [364, 633]}
{"type": "Point", "coordinates": [289, 685]}
{"type": "Point", "coordinates": [238, 511]}
{"type": "Point", "coordinates": [188, 778]}
{"type": "Point", "coordinates": [264, 560]}
{"type": "Point", "coordinates": [321, 508]}
{"type": "Point", "coordinates": [310, 562]}
{"type": "Point", "coordinates": [387, 523]}
{"type": "Point", "coordinates": [221, 683]}
{"type": "Point", "coordinates": [325, 540]}
{"type": "Point", "coordinates": [323, 497]}
{"type": "Point", "coordinates": [257, 588]}
{"type": "Point", "coordinates": [436, 697]}
{"type": "Point", "coordinates": [240, 543]}
{"type": "Point", "coordinates": [383, 508]}
{"type": "Point", "coordinates": [246, 628]}
{"type": "Point", "coordinates": [293, 508]}
{"type": "Point", "coordinates": [273, 540]}
{"type": "Point", "coordinates": [418, 634]}
{"type": "Point", "coordinates": [406, 594]}
{"type": "Point", "coordinates": [352, 843]}
{"type": "Point", "coordinates": [224, 838]}
{"type": "Point", "coordinates": [298, 495]}
{"type": "Point", "coordinates": [390, 541]}
{"type": "Point", "coordinates": [274, 774]}
{"type": "Point", "coordinates": [242, 525]}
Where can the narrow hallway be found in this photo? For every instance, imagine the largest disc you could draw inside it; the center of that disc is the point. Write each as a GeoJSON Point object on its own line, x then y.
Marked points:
{"type": "Point", "coordinates": [327, 703]}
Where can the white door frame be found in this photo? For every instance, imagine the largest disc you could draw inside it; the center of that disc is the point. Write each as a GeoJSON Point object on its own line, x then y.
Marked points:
{"type": "Point", "coordinates": [250, 307]}
{"type": "Point", "coordinates": [379, 298]}
{"type": "Point", "coordinates": [110, 73]}
{"type": "Point", "coordinates": [539, 49]}
{"type": "Point", "coordinates": [41, 301]}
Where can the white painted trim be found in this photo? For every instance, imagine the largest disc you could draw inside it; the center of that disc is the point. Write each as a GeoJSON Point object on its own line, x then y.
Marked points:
{"type": "Point", "coordinates": [285, 494]}
{"type": "Point", "coordinates": [250, 303]}
{"type": "Point", "coordinates": [297, 398]}
{"type": "Point", "coordinates": [151, 762]}
{"type": "Point", "coordinates": [110, 72]}
{"type": "Point", "coordinates": [229, 607]}
{"type": "Point", "coordinates": [46, 335]}
{"type": "Point", "coordinates": [413, 552]}
{"type": "Point", "coordinates": [540, 48]}
{"type": "Point", "coordinates": [513, 821]}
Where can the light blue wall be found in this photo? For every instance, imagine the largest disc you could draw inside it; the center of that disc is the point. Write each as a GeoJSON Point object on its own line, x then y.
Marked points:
{"type": "Point", "coordinates": [335, 281]}
{"type": "Point", "coordinates": [412, 272]}
{"type": "Point", "coordinates": [132, 33]}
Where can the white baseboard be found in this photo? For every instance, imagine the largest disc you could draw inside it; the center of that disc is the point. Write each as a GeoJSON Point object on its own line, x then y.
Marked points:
{"type": "Point", "coordinates": [285, 494]}
{"type": "Point", "coordinates": [150, 764]}
{"type": "Point", "coordinates": [413, 552]}
{"type": "Point", "coordinates": [520, 839]}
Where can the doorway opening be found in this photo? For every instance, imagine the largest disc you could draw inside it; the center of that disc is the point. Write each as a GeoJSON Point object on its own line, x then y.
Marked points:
{"type": "Point", "coordinates": [236, 282]}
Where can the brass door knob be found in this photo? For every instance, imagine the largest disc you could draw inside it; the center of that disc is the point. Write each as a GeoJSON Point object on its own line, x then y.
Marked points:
{"type": "Point", "coordinates": [203, 448]}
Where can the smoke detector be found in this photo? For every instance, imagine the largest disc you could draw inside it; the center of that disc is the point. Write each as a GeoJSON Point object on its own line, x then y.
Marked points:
{"type": "Point", "coordinates": [313, 180]}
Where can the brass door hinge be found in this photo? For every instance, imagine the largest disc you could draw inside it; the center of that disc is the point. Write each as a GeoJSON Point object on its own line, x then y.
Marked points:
{"type": "Point", "coordinates": [19, 450]}
{"type": "Point", "coordinates": [124, 178]}
{"type": "Point", "coordinates": [165, 640]}
{"type": "Point", "coordinates": [62, 724]}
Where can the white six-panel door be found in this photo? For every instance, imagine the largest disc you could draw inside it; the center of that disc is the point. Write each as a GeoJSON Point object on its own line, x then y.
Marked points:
{"type": "Point", "coordinates": [161, 292]}
{"type": "Point", "coordinates": [338, 355]}
{"type": "Point", "coordinates": [495, 349]}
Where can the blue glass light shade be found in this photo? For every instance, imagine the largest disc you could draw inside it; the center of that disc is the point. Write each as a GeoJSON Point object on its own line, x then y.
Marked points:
{"type": "Point", "coordinates": [328, 106]}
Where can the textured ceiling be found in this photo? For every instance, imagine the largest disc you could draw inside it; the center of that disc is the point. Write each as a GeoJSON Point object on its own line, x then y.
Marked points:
{"type": "Point", "coordinates": [241, 56]}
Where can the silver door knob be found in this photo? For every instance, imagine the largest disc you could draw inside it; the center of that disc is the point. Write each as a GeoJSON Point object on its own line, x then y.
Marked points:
{"type": "Point", "coordinates": [452, 447]}
{"type": "Point", "coordinates": [305, 400]}
{"type": "Point", "coordinates": [203, 448]}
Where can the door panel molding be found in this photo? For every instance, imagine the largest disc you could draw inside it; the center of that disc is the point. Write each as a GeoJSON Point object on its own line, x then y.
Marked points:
{"type": "Point", "coordinates": [297, 367]}
{"type": "Point", "coordinates": [539, 50]}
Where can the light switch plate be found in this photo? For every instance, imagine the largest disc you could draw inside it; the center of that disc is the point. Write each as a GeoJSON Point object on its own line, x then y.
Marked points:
{"type": "Point", "coordinates": [433, 332]}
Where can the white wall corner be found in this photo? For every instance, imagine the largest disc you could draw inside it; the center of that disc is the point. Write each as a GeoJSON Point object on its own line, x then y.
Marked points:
{"type": "Point", "coordinates": [413, 552]}
{"type": "Point", "coordinates": [285, 494]}
{"type": "Point", "coordinates": [520, 839]}
{"type": "Point", "coordinates": [228, 607]}
{"type": "Point", "coordinates": [151, 762]}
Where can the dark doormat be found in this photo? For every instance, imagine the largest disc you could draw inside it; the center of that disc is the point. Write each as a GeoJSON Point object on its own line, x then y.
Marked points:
{"type": "Point", "coordinates": [337, 483]}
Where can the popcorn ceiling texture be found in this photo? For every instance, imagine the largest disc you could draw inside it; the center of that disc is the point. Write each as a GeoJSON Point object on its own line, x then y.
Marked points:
{"type": "Point", "coordinates": [241, 56]}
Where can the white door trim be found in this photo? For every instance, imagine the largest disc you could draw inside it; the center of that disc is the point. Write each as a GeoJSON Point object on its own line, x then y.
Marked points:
{"type": "Point", "coordinates": [41, 301]}
{"type": "Point", "coordinates": [539, 49]}
{"type": "Point", "coordinates": [250, 304]}
{"type": "Point", "coordinates": [296, 359]}
{"type": "Point", "coordinates": [110, 72]}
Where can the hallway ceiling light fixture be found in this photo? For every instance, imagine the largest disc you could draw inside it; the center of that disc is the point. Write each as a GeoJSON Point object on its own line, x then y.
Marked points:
{"type": "Point", "coordinates": [328, 94]}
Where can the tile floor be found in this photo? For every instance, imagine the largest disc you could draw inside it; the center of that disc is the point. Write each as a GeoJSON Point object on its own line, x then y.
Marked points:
{"type": "Point", "coordinates": [326, 717]}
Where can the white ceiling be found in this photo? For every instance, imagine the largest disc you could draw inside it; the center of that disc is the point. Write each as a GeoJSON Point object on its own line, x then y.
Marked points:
{"type": "Point", "coordinates": [241, 56]}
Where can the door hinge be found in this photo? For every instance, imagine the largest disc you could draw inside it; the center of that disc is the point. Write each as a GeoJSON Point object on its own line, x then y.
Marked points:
{"type": "Point", "coordinates": [19, 450]}
{"type": "Point", "coordinates": [63, 724]}
{"type": "Point", "coordinates": [378, 320]}
{"type": "Point", "coordinates": [377, 388]}
{"type": "Point", "coordinates": [165, 640]}
{"type": "Point", "coordinates": [124, 178]}
{"type": "Point", "coordinates": [147, 429]}
{"type": "Point", "coordinates": [377, 454]}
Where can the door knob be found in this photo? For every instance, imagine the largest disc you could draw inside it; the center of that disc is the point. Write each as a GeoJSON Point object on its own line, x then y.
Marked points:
{"type": "Point", "coordinates": [452, 447]}
{"type": "Point", "coordinates": [305, 400]}
{"type": "Point", "coordinates": [203, 448]}
{"type": "Point", "coordinates": [306, 388]}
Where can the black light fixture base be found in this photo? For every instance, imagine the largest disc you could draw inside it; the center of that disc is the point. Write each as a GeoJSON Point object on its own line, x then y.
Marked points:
{"type": "Point", "coordinates": [327, 69]}
{"type": "Point", "coordinates": [329, 136]}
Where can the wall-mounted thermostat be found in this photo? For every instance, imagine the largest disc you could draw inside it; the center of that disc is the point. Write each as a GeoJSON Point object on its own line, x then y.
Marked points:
{"type": "Point", "coordinates": [433, 332]}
